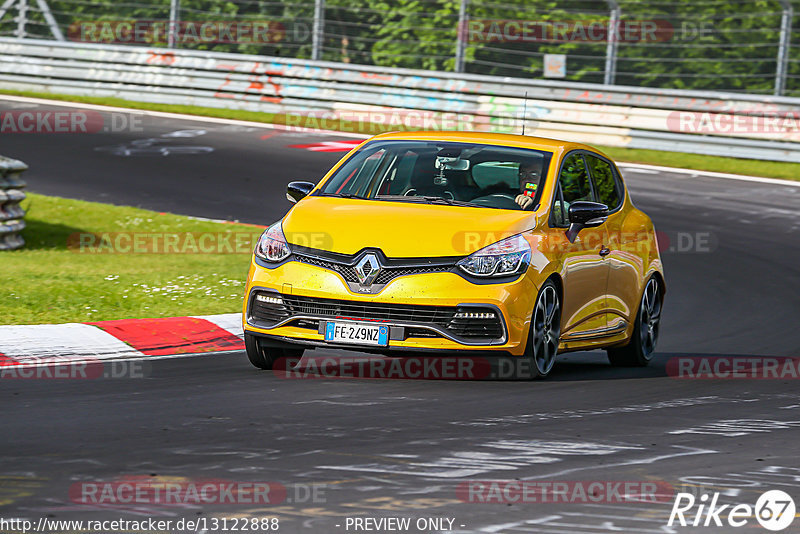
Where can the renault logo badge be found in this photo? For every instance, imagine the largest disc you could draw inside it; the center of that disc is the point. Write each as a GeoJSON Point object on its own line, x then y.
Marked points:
{"type": "Point", "coordinates": [367, 269]}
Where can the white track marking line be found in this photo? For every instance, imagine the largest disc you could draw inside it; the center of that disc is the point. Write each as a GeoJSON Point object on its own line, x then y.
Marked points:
{"type": "Point", "coordinates": [179, 116]}
{"type": "Point", "coordinates": [709, 174]}
{"type": "Point", "coordinates": [639, 170]}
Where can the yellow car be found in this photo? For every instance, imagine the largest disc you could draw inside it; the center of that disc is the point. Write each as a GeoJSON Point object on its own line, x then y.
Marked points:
{"type": "Point", "coordinates": [460, 244]}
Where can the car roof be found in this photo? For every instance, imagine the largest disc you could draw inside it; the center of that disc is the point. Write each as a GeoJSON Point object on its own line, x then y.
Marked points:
{"type": "Point", "coordinates": [509, 140]}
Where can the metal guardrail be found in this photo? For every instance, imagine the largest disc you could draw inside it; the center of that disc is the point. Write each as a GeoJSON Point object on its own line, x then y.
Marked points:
{"type": "Point", "coordinates": [11, 212]}
{"type": "Point", "coordinates": [617, 116]}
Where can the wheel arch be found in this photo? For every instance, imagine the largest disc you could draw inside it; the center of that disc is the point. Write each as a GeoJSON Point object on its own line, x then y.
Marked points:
{"type": "Point", "coordinates": [662, 283]}
{"type": "Point", "coordinates": [559, 282]}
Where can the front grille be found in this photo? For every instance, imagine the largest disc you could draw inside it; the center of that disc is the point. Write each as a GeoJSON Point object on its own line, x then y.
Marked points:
{"type": "Point", "coordinates": [390, 273]}
{"type": "Point", "coordinates": [387, 274]}
{"type": "Point", "coordinates": [463, 322]}
{"type": "Point", "coordinates": [269, 313]}
{"type": "Point", "coordinates": [373, 311]}
{"type": "Point", "coordinates": [421, 332]}
{"type": "Point", "coordinates": [309, 324]}
{"type": "Point", "coordinates": [475, 328]}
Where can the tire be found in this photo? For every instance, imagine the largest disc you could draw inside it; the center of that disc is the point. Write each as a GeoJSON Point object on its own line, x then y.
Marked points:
{"type": "Point", "coordinates": [545, 331]}
{"type": "Point", "coordinates": [265, 357]}
{"type": "Point", "coordinates": [642, 344]}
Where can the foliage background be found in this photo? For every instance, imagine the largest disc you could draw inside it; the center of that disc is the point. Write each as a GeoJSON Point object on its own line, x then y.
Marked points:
{"type": "Point", "coordinates": [727, 45]}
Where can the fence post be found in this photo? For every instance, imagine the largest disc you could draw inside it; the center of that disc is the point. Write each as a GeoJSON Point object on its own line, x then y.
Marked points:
{"type": "Point", "coordinates": [51, 21]}
{"type": "Point", "coordinates": [172, 35]}
{"type": "Point", "coordinates": [462, 36]}
{"type": "Point", "coordinates": [22, 19]}
{"type": "Point", "coordinates": [781, 70]}
{"type": "Point", "coordinates": [613, 44]}
{"type": "Point", "coordinates": [318, 33]}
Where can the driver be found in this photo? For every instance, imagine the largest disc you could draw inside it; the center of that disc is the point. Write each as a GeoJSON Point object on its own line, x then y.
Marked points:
{"type": "Point", "coordinates": [529, 175]}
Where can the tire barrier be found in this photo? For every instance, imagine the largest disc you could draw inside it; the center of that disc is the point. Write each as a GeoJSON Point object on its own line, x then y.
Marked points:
{"type": "Point", "coordinates": [11, 212]}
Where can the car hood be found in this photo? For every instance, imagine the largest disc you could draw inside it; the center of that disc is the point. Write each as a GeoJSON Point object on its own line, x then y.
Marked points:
{"type": "Point", "coordinates": [399, 229]}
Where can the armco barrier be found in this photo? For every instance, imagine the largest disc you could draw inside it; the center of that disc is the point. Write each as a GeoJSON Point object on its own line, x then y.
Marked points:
{"type": "Point", "coordinates": [11, 213]}
{"type": "Point", "coordinates": [723, 124]}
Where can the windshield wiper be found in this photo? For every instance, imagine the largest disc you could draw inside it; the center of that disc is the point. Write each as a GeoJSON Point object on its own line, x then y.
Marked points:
{"type": "Point", "coordinates": [427, 199]}
{"type": "Point", "coordinates": [341, 195]}
{"type": "Point", "coordinates": [448, 201]}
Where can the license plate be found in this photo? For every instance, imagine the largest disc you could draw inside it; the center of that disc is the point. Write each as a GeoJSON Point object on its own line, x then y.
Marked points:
{"type": "Point", "coordinates": [357, 334]}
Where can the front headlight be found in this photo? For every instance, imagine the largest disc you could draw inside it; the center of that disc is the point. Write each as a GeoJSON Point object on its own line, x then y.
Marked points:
{"type": "Point", "coordinates": [504, 258]}
{"type": "Point", "coordinates": [272, 245]}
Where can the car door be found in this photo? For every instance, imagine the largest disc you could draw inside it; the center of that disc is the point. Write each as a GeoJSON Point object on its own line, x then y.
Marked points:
{"type": "Point", "coordinates": [584, 269]}
{"type": "Point", "coordinates": [624, 263]}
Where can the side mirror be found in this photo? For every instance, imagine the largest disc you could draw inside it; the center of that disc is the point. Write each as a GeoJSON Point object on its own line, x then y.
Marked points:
{"type": "Point", "coordinates": [583, 214]}
{"type": "Point", "coordinates": [298, 190]}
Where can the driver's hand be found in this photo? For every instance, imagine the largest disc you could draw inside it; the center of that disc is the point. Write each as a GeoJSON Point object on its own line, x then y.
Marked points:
{"type": "Point", "coordinates": [525, 202]}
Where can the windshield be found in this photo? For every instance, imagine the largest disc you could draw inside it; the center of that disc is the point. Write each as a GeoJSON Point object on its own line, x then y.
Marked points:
{"type": "Point", "coordinates": [463, 174]}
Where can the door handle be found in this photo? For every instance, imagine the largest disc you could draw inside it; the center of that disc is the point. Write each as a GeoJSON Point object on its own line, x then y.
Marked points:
{"type": "Point", "coordinates": [605, 251]}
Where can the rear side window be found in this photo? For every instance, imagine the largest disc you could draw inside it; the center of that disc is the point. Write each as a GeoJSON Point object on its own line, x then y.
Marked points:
{"type": "Point", "coordinates": [605, 183]}
{"type": "Point", "coordinates": [573, 185]}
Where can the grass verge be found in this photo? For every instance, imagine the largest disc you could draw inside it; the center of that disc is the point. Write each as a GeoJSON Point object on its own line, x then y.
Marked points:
{"type": "Point", "coordinates": [56, 280]}
{"type": "Point", "coordinates": [770, 169]}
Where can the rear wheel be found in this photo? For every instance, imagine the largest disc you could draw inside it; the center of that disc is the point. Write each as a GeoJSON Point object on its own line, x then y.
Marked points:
{"type": "Point", "coordinates": [545, 331]}
{"type": "Point", "coordinates": [265, 357]}
{"type": "Point", "coordinates": [639, 350]}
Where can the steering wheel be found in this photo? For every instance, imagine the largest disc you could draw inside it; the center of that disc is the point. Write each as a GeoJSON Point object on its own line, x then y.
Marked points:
{"type": "Point", "coordinates": [497, 200]}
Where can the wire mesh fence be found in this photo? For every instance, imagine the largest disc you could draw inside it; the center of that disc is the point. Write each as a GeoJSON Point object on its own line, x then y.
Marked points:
{"type": "Point", "coordinates": [727, 45]}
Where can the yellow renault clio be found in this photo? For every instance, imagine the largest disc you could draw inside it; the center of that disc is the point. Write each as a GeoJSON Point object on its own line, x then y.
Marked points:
{"type": "Point", "coordinates": [459, 243]}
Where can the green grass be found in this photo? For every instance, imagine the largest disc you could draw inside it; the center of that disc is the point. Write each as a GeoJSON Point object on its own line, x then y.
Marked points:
{"type": "Point", "coordinates": [789, 171]}
{"type": "Point", "coordinates": [50, 281]}
{"type": "Point", "coordinates": [751, 167]}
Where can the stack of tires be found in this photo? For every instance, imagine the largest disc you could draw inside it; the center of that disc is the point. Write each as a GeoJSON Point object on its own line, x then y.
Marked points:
{"type": "Point", "coordinates": [11, 212]}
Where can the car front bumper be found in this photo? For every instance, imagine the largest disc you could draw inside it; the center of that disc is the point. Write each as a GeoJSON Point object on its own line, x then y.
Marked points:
{"type": "Point", "coordinates": [415, 307]}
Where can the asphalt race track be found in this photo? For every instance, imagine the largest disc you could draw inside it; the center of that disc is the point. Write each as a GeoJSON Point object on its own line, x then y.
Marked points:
{"type": "Point", "coordinates": [400, 448]}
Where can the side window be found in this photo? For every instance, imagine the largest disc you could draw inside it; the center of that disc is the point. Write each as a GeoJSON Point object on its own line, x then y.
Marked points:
{"type": "Point", "coordinates": [573, 185]}
{"type": "Point", "coordinates": [604, 182]}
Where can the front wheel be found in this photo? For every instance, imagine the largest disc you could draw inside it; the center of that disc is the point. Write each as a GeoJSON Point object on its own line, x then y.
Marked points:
{"type": "Point", "coordinates": [545, 331]}
{"type": "Point", "coordinates": [265, 357]}
{"type": "Point", "coordinates": [639, 350]}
